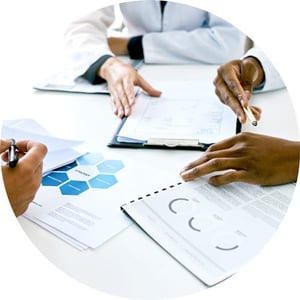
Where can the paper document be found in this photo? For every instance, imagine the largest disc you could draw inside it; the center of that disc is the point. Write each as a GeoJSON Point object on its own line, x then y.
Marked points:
{"type": "Point", "coordinates": [186, 110]}
{"type": "Point", "coordinates": [80, 202]}
{"type": "Point", "coordinates": [212, 231]}
{"type": "Point", "coordinates": [60, 151]}
{"type": "Point", "coordinates": [61, 82]}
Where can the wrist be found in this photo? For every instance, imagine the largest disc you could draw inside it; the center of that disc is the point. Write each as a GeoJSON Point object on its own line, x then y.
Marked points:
{"type": "Point", "coordinates": [291, 161]}
{"type": "Point", "coordinates": [106, 66]}
{"type": "Point", "coordinates": [259, 75]}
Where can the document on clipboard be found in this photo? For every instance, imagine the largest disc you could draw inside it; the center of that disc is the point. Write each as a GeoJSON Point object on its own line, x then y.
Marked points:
{"type": "Point", "coordinates": [188, 115]}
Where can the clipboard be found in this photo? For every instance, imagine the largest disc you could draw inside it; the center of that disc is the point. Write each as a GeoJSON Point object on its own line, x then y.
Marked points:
{"type": "Point", "coordinates": [161, 143]}
{"type": "Point", "coordinates": [188, 115]}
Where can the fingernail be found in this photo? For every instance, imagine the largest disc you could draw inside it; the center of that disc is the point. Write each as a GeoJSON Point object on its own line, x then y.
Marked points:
{"type": "Point", "coordinates": [239, 96]}
{"type": "Point", "coordinates": [184, 175]}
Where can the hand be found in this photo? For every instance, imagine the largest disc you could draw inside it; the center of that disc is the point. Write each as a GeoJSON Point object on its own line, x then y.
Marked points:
{"type": "Point", "coordinates": [248, 157]}
{"type": "Point", "coordinates": [118, 45]}
{"type": "Point", "coordinates": [234, 84]}
{"type": "Point", "coordinates": [22, 182]}
{"type": "Point", "coordinates": [121, 79]}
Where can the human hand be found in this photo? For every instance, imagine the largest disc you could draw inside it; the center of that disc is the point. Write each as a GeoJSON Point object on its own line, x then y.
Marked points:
{"type": "Point", "coordinates": [22, 182]}
{"type": "Point", "coordinates": [234, 83]}
{"type": "Point", "coordinates": [121, 79]}
{"type": "Point", "coordinates": [118, 45]}
{"type": "Point", "coordinates": [248, 157]}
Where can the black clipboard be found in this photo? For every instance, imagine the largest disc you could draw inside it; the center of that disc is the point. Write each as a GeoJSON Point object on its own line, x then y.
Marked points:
{"type": "Point", "coordinates": [175, 144]}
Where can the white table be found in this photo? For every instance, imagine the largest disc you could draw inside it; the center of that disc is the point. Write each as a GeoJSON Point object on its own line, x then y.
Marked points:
{"type": "Point", "coordinates": [130, 264]}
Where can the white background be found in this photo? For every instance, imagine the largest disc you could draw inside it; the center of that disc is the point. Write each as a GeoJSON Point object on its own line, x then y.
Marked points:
{"type": "Point", "coordinates": [31, 33]}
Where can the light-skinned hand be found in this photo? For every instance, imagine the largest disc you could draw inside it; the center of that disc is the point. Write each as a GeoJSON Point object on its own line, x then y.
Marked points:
{"type": "Point", "coordinates": [22, 181]}
{"type": "Point", "coordinates": [121, 79]}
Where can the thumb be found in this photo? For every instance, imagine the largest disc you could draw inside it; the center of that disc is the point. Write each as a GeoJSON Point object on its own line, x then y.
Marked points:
{"type": "Point", "coordinates": [4, 145]}
{"type": "Point", "coordinates": [147, 87]}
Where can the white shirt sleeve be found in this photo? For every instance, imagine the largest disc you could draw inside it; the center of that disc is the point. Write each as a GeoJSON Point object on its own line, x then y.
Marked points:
{"type": "Point", "coordinates": [192, 36]}
{"type": "Point", "coordinates": [86, 40]}
{"type": "Point", "coordinates": [215, 43]}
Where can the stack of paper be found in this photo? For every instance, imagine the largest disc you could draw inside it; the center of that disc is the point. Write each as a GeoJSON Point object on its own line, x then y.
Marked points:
{"type": "Point", "coordinates": [80, 202]}
{"type": "Point", "coordinates": [78, 199]}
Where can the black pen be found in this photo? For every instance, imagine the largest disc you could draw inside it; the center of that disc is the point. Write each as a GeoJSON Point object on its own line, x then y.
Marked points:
{"type": "Point", "coordinates": [12, 154]}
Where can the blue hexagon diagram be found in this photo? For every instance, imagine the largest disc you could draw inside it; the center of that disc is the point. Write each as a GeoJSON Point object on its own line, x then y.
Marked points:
{"type": "Point", "coordinates": [90, 159]}
{"type": "Point", "coordinates": [74, 187]}
{"type": "Point", "coordinates": [110, 166]}
{"type": "Point", "coordinates": [54, 179]}
{"type": "Point", "coordinates": [103, 181]}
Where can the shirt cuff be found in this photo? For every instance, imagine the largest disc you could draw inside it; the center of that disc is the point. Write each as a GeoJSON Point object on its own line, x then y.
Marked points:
{"type": "Point", "coordinates": [135, 47]}
{"type": "Point", "coordinates": [92, 72]}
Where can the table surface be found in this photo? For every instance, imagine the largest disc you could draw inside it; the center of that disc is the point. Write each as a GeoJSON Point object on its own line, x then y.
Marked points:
{"type": "Point", "coordinates": [130, 264]}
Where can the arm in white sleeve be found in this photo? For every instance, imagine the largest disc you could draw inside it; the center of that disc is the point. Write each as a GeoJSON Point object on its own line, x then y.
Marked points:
{"type": "Point", "coordinates": [214, 42]}
{"type": "Point", "coordinates": [86, 40]}
{"type": "Point", "coordinates": [273, 80]}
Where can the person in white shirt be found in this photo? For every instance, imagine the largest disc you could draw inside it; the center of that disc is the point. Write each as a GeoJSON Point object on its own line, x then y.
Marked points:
{"type": "Point", "coordinates": [248, 157]}
{"type": "Point", "coordinates": [159, 32]}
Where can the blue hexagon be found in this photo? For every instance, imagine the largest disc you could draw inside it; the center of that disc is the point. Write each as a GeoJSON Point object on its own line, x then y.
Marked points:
{"type": "Point", "coordinates": [68, 167]}
{"type": "Point", "coordinates": [74, 187]}
{"type": "Point", "coordinates": [110, 166]}
{"type": "Point", "coordinates": [54, 179]}
{"type": "Point", "coordinates": [90, 159]}
{"type": "Point", "coordinates": [102, 181]}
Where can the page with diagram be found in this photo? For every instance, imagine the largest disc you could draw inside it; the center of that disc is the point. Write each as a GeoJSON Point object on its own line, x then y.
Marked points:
{"type": "Point", "coordinates": [211, 231]}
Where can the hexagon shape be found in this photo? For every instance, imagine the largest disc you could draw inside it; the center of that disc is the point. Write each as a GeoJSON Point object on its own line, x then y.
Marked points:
{"type": "Point", "coordinates": [74, 187]}
{"type": "Point", "coordinates": [90, 159]}
{"type": "Point", "coordinates": [110, 166]}
{"type": "Point", "coordinates": [54, 179]}
{"type": "Point", "coordinates": [103, 181]}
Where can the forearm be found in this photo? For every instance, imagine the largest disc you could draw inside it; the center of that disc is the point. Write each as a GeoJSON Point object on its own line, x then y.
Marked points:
{"type": "Point", "coordinates": [214, 45]}
{"type": "Point", "coordinates": [290, 161]}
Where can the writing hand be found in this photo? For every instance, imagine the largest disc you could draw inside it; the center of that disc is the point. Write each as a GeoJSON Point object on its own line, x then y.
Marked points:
{"type": "Point", "coordinates": [22, 182]}
{"type": "Point", "coordinates": [234, 84]}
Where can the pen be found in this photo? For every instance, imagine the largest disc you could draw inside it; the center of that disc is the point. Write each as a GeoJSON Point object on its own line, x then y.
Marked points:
{"type": "Point", "coordinates": [12, 155]}
{"type": "Point", "coordinates": [250, 115]}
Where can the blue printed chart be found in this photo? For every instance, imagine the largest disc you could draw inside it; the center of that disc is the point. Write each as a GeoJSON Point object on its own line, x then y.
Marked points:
{"type": "Point", "coordinates": [80, 202]}
{"type": "Point", "coordinates": [88, 171]}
